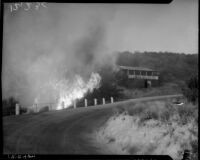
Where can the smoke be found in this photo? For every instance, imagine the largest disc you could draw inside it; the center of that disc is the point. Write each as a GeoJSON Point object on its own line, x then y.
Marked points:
{"type": "Point", "coordinates": [48, 45]}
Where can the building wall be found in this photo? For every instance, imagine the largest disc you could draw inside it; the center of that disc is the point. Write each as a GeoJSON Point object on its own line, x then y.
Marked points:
{"type": "Point", "coordinates": [142, 83]}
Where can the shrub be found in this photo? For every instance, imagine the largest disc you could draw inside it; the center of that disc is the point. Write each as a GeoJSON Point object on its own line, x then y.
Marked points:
{"type": "Point", "coordinates": [9, 106]}
{"type": "Point", "coordinates": [136, 109]}
{"type": "Point", "coordinates": [44, 109]}
{"type": "Point", "coordinates": [165, 116]}
{"type": "Point", "coordinates": [194, 145]}
{"type": "Point", "coordinates": [187, 112]}
{"type": "Point", "coordinates": [120, 109]}
{"type": "Point", "coordinates": [191, 89]}
{"type": "Point", "coordinates": [23, 110]}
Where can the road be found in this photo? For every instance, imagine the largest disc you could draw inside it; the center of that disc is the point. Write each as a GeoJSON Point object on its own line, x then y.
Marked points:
{"type": "Point", "coordinates": [59, 132]}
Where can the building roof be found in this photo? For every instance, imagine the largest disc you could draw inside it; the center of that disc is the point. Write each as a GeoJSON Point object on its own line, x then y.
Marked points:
{"type": "Point", "coordinates": [136, 68]}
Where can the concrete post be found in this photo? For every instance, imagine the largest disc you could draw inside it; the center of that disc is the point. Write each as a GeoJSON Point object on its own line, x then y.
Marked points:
{"type": "Point", "coordinates": [85, 102]}
{"type": "Point", "coordinates": [36, 107]}
{"type": "Point", "coordinates": [95, 101]}
{"type": "Point", "coordinates": [74, 104]}
{"type": "Point", "coordinates": [111, 98]}
{"type": "Point", "coordinates": [103, 100]}
{"type": "Point", "coordinates": [16, 109]}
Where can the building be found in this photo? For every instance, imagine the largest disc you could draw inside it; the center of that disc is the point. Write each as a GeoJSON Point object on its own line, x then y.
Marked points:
{"type": "Point", "coordinates": [140, 76]}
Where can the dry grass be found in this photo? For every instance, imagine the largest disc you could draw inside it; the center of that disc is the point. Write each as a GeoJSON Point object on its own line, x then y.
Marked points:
{"type": "Point", "coordinates": [160, 110]}
{"type": "Point", "coordinates": [179, 124]}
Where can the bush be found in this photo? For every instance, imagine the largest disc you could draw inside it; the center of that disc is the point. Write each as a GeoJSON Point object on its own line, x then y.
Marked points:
{"type": "Point", "coordinates": [9, 106]}
{"type": "Point", "coordinates": [44, 109]}
{"type": "Point", "coordinates": [108, 87]}
{"type": "Point", "coordinates": [187, 112]}
{"type": "Point", "coordinates": [23, 110]}
{"type": "Point", "coordinates": [136, 109]}
{"type": "Point", "coordinates": [191, 89]}
{"type": "Point", "coordinates": [194, 145]}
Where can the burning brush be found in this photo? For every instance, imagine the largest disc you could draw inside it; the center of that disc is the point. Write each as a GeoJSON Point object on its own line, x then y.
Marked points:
{"type": "Point", "coordinates": [69, 91]}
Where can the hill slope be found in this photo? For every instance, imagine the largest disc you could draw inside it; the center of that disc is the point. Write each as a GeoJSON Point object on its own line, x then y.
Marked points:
{"type": "Point", "coordinates": [173, 67]}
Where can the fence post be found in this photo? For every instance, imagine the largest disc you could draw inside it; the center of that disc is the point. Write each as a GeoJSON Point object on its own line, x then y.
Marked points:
{"type": "Point", "coordinates": [111, 98]}
{"type": "Point", "coordinates": [16, 109]}
{"type": "Point", "coordinates": [85, 102]}
{"type": "Point", "coordinates": [74, 103]}
{"type": "Point", "coordinates": [103, 100]}
{"type": "Point", "coordinates": [95, 101]}
{"type": "Point", "coordinates": [35, 107]}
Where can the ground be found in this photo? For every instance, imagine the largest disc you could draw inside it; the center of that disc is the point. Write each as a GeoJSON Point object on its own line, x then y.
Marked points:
{"type": "Point", "coordinates": [67, 131]}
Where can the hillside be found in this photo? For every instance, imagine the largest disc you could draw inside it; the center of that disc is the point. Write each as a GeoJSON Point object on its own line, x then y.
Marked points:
{"type": "Point", "coordinates": [173, 67]}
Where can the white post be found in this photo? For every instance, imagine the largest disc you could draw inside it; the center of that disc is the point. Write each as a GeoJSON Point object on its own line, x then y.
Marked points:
{"type": "Point", "coordinates": [103, 100]}
{"type": "Point", "coordinates": [111, 98]}
{"type": "Point", "coordinates": [85, 102]}
{"type": "Point", "coordinates": [16, 109]}
{"type": "Point", "coordinates": [74, 103]}
{"type": "Point", "coordinates": [35, 107]}
{"type": "Point", "coordinates": [95, 101]}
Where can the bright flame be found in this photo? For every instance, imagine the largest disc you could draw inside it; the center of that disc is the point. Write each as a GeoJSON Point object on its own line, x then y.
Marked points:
{"type": "Point", "coordinates": [71, 91]}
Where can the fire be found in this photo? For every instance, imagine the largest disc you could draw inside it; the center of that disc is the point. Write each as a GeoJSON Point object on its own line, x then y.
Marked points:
{"type": "Point", "coordinates": [71, 91]}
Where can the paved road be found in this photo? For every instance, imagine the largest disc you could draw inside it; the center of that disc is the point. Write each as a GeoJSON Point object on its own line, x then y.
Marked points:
{"type": "Point", "coordinates": [59, 132]}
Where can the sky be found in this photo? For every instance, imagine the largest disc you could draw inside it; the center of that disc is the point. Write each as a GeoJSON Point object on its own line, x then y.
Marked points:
{"type": "Point", "coordinates": [165, 27]}
{"type": "Point", "coordinates": [41, 42]}
{"type": "Point", "coordinates": [141, 27]}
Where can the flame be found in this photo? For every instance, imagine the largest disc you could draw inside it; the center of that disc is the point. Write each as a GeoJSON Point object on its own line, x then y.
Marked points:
{"type": "Point", "coordinates": [71, 91]}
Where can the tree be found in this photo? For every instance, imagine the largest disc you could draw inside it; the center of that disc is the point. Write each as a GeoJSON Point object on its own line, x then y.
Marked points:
{"type": "Point", "coordinates": [122, 78]}
{"type": "Point", "coordinates": [191, 89]}
{"type": "Point", "coordinates": [108, 87]}
{"type": "Point", "coordinates": [9, 106]}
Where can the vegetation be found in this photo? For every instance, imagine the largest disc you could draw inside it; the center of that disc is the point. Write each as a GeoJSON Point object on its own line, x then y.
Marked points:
{"type": "Point", "coordinates": [160, 110]}
{"type": "Point", "coordinates": [173, 67]}
{"type": "Point", "coordinates": [174, 70]}
{"type": "Point", "coordinates": [161, 127]}
{"type": "Point", "coordinates": [108, 87]}
{"type": "Point", "coordinates": [9, 106]}
{"type": "Point", "coordinates": [191, 89]}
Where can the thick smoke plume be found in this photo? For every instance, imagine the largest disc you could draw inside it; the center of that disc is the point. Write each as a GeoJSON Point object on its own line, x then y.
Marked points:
{"type": "Point", "coordinates": [48, 45]}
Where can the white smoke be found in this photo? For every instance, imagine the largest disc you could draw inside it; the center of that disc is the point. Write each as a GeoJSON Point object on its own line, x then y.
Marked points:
{"type": "Point", "coordinates": [39, 46]}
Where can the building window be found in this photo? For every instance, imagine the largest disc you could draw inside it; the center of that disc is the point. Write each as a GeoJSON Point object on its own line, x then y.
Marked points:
{"type": "Point", "coordinates": [137, 72]}
{"type": "Point", "coordinates": [131, 72]}
{"type": "Point", "coordinates": [149, 73]}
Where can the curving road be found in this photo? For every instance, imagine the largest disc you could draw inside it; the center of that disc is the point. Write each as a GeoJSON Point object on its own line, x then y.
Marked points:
{"type": "Point", "coordinates": [59, 132]}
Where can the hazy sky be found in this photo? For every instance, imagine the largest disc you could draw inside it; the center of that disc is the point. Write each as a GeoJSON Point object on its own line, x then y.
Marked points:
{"type": "Point", "coordinates": [144, 27]}
{"type": "Point", "coordinates": [164, 27]}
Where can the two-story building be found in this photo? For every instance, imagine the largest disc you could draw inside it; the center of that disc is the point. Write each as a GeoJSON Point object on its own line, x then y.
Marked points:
{"type": "Point", "coordinates": [140, 76]}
